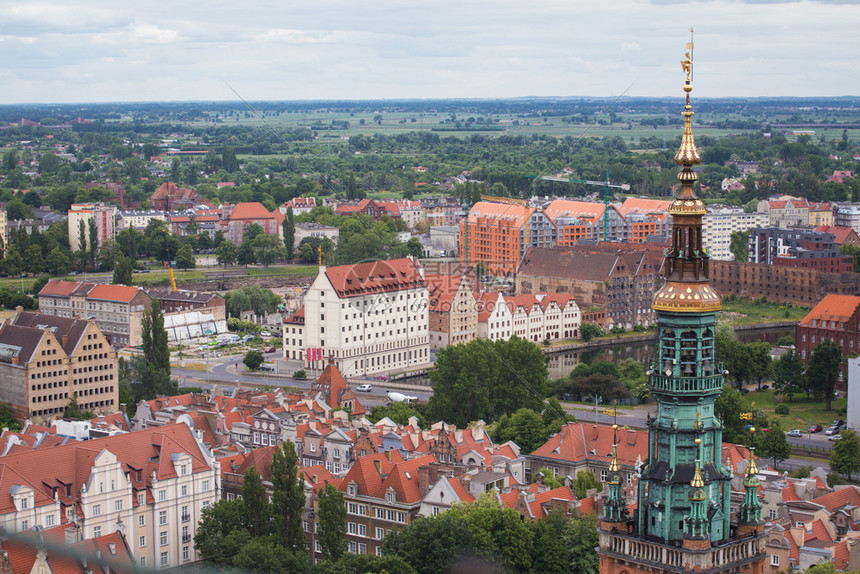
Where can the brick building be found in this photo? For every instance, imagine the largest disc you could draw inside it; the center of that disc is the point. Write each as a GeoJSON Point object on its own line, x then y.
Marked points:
{"type": "Point", "coordinates": [169, 197]}
{"type": "Point", "coordinates": [835, 317]}
{"type": "Point", "coordinates": [46, 360]}
{"type": "Point", "coordinates": [782, 284]}
{"type": "Point", "coordinates": [618, 279]}
{"type": "Point", "coordinates": [235, 219]}
{"type": "Point", "coordinates": [453, 314]}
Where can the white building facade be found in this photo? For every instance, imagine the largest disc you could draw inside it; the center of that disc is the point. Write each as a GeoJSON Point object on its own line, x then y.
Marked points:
{"type": "Point", "coordinates": [368, 318]}
{"type": "Point", "coordinates": [719, 224]}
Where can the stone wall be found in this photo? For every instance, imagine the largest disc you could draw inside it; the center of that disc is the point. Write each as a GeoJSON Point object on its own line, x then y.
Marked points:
{"type": "Point", "coordinates": [780, 284]}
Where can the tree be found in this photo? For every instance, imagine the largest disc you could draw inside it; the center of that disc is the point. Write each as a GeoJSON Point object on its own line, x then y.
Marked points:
{"type": "Point", "coordinates": [17, 209]}
{"type": "Point", "coordinates": [82, 244]}
{"type": "Point", "coordinates": [585, 481]}
{"type": "Point", "coordinates": [289, 226]}
{"type": "Point", "coordinates": [365, 564]}
{"type": "Point", "coordinates": [245, 254]}
{"type": "Point", "coordinates": [550, 478]}
{"type": "Point", "coordinates": [591, 330]}
{"type": "Point", "coordinates": [774, 445]}
{"type": "Point", "coordinates": [122, 273]}
{"type": "Point", "coordinates": [398, 412]}
{"type": "Point", "coordinates": [728, 408]}
{"type": "Point", "coordinates": [525, 428]}
{"type": "Point", "coordinates": [12, 263]}
{"type": "Point", "coordinates": [761, 365]}
{"type": "Point", "coordinates": [253, 359]}
{"type": "Point", "coordinates": [256, 503]}
{"type": "Point", "coordinates": [288, 498]}
{"type": "Point", "coordinates": [185, 258]}
{"type": "Point", "coordinates": [432, 545]}
{"type": "Point", "coordinates": [264, 556]}
{"type": "Point", "coordinates": [414, 247]}
{"type": "Point", "coordinates": [217, 523]}
{"type": "Point", "coordinates": [486, 379]}
{"type": "Point", "coordinates": [94, 241]}
{"type": "Point", "coordinates": [229, 160]}
{"type": "Point", "coordinates": [332, 523]}
{"type": "Point", "coordinates": [845, 456]}
{"type": "Point", "coordinates": [74, 412]}
{"type": "Point", "coordinates": [266, 248]}
{"type": "Point", "coordinates": [226, 253]}
{"type": "Point", "coordinates": [33, 259]}
{"type": "Point", "coordinates": [155, 350]}
{"type": "Point", "coordinates": [824, 369]}
{"type": "Point", "coordinates": [7, 420]}
{"type": "Point", "coordinates": [739, 245]}
{"type": "Point", "coordinates": [789, 379]}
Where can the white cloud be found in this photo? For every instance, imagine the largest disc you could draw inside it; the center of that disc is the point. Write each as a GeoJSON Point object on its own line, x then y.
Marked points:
{"type": "Point", "coordinates": [18, 39]}
{"type": "Point", "coordinates": [137, 33]}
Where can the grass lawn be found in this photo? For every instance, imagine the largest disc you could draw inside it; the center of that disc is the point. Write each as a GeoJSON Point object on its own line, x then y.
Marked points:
{"type": "Point", "coordinates": [738, 312]}
{"type": "Point", "coordinates": [801, 410]}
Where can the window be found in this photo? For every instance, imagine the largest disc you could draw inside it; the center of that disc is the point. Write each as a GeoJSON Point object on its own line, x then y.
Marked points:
{"type": "Point", "coordinates": [49, 520]}
{"type": "Point", "coordinates": [602, 476]}
{"type": "Point", "coordinates": [162, 538]}
{"type": "Point", "coordinates": [141, 498]}
{"type": "Point", "coordinates": [205, 485]}
{"type": "Point", "coordinates": [186, 553]}
{"type": "Point", "coordinates": [317, 546]}
{"type": "Point", "coordinates": [773, 514]}
{"type": "Point", "coordinates": [117, 505]}
{"type": "Point", "coordinates": [25, 524]}
{"type": "Point", "coordinates": [143, 541]}
{"type": "Point", "coordinates": [143, 561]}
{"type": "Point", "coordinates": [162, 518]}
{"type": "Point", "coordinates": [97, 509]}
{"type": "Point", "coordinates": [184, 490]}
{"type": "Point", "coordinates": [141, 520]}
{"type": "Point", "coordinates": [97, 531]}
{"type": "Point", "coordinates": [352, 508]}
{"type": "Point", "coordinates": [774, 560]}
{"type": "Point", "coordinates": [162, 495]}
{"type": "Point", "coordinates": [362, 530]}
{"type": "Point", "coordinates": [401, 517]}
{"type": "Point", "coordinates": [164, 558]}
{"type": "Point", "coordinates": [350, 527]}
{"type": "Point", "coordinates": [380, 533]}
{"type": "Point", "coordinates": [352, 547]}
{"type": "Point", "coordinates": [362, 548]}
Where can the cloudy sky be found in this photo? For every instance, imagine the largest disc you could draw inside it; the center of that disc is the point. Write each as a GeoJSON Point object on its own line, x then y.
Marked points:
{"type": "Point", "coordinates": [109, 50]}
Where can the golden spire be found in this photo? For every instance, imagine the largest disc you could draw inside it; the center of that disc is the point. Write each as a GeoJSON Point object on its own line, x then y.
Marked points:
{"type": "Point", "coordinates": [698, 481]}
{"type": "Point", "coordinates": [614, 466]}
{"type": "Point", "coordinates": [752, 469]}
{"type": "Point", "coordinates": [687, 155]}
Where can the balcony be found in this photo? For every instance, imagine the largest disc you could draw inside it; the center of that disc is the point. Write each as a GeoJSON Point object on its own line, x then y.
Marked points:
{"type": "Point", "coordinates": [186, 517]}
{"type": "Point", "coordinates": [690, 385]}
{"type": "Point", "coordinates": [186, 538]}
{"type": "Point", "coordinates": [720, 558]}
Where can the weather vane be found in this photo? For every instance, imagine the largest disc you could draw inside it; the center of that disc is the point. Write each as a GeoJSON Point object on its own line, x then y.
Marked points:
{"type": "Point", "coordinates": [687, 62]}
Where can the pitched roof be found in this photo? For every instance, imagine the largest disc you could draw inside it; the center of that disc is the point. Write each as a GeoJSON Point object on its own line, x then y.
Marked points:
{"type": "Point", "coordinates": [658, 208]}
{"type": "Point", "coordinates": [848, 495]}
{"type": "Point", "coordinates": [516, 214]}
{"type": "Point", "coordinates": [442, 289]}
{"type": "Point", "coordinates": [375, 277]}
{"type": "Point", "coordinates": [120, 293]}
{"type": "Point", "coordinates": [250, 210]}
{"type": "Point", "coordinates": [68, 331]}
{"type": "Point", "coordinates": [839, 308]}
{"type": "Point", "coordinates": [568, 263]}
{"type": "Point", "coordinates": [22, 341]}
{"type": "Point", "coordinates": [56, 288]}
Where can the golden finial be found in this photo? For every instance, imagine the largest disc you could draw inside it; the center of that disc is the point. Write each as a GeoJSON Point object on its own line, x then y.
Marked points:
{"type": "Point", "coordinates": [698, 441]}
{"type": "Point", "coordinates": [698, 481]}
{"type": "Point", "coordinates": [752, 469]}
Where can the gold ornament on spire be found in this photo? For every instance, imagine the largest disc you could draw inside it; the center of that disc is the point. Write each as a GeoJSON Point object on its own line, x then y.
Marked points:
{"type": "Point", "coordinates": [686, 202]}
{"type": "Point", "coordinates": [614, 466]}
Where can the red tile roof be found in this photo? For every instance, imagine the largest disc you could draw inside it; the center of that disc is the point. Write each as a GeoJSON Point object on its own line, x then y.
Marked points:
{"type": "Point", "coordinates": [122, 293]}
{"type": "Point", "coordinates": [375, 277]}
{"type": "Point", "coordinates": [57, 288]}
{"type": "Point", "coordinates": [250, 210]}
{"type": "Point", "coordinates": [839, 308]}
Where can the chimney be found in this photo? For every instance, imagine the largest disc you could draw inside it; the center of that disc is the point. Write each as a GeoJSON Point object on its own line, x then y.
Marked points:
{"type": "Point", "coordinates": [72, 535]}
{"type": "Point", "coordinates": [123, 408]}
{"type": "Point", "coordinates": [423, 479]}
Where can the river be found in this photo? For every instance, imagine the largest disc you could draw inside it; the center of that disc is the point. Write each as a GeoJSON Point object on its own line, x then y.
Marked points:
{"type": "Point", "coordinates": [563, 362]}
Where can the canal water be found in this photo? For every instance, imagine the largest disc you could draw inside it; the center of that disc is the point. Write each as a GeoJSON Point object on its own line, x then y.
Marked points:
{"type": "Point", "coordinates": [562, 363]}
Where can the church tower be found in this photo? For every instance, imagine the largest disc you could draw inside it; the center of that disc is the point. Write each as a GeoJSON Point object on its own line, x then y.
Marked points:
{"type": "Point", "coordinates": [682, 522]}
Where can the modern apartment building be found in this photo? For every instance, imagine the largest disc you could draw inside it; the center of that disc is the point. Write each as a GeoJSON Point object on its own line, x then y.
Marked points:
{"type": "Point", "coordinates": [117, 309]}
{"type": "Point", "coordinates": [46, 360]}
{"type": "Point", "coordinates": [104, 216]}
{"type": "Point", "coordinates": [800, 248]}
{"type": "Point", "coordinates": [139, 220]}
{"type": "Point", "coordinates": [368, 318]}
{"type": "Point", "coordinates": [151, 484]}
{"type": "Point", "coordinates": [719, 224]}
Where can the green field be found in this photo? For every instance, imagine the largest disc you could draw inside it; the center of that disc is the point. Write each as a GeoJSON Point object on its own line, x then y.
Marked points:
{"type": "Point", "coordinates": [739, 312]}
{"type": "Point", "coordinates": [801, 410]}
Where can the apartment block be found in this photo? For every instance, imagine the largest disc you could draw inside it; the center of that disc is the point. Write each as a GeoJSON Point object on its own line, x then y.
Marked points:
{"type": "Point", "coordinates": [368, 318]}
{"type": "Point", "coordinates": [719, 224]}
{"type": "Point", "coordinates": [453, 313]}
{"type": "Point", "coordinates": [46, 360]}
{"type": "Point", "coordinates": [117, 309]}
{"type": "Point", "coordinates": [150, 484]}
{"type": "Point", "coordinates": [799, 248]}
{"type": "Point", "coordinates": [104, 216]}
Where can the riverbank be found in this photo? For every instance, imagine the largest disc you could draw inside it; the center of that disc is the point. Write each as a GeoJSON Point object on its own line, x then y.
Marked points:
{"type": "Point", "coordinates": [647, 337]}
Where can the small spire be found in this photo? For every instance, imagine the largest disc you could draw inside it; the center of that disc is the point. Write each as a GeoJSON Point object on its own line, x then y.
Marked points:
{"type": "Point", "coordinates": [697, 481]}
{"type": "Point", "coordinates": [614, 466]}
{"type": "Point", "coordinates": [752, 469]}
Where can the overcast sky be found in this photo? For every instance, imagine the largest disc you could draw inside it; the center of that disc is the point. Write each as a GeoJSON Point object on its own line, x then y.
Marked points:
{"type": "Point", "coordinates": [110, 50]}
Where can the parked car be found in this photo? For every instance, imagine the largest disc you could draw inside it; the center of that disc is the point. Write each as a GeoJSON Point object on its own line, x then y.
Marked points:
{"type": "Point", "coordinates": [838, 423]}
{"type": "Point", "coordinates": [247, 338]}
{"type": "Point", "coordinates": [765, 387]}
{"type": "Point", "coordinates": [270, 350]}
{"type": "Point", "coordinates": [795, 433]}
{"type": "Point", "coordinates": [832, 431]}
{"type": "Point", "coordinates": [834, 437]}
{"type": "Point", "coordinates": [815, 428]}
{"type": "Point", "coordinates": [366, 388]}
{"type": "Point", "coordinates": [266, 334]}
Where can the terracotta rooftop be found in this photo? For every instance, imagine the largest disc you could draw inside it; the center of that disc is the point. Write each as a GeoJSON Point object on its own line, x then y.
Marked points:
{"type": "Point", "coordinates": [375, 277]}
{"type": "Point", "coordinates": [120, 293]}
{"type": "Point", "coordinates": [501, 212]}
{"type": "Point", "coordinates": [250, 210]}
{"type": "Point", "coordinates": [838, 308]}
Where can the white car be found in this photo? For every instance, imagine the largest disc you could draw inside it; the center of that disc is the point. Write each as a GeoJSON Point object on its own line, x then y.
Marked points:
{"type": "Point", "coordinates": [364, 388]}
{"type": "Point", "coordinates": [266, 334]}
